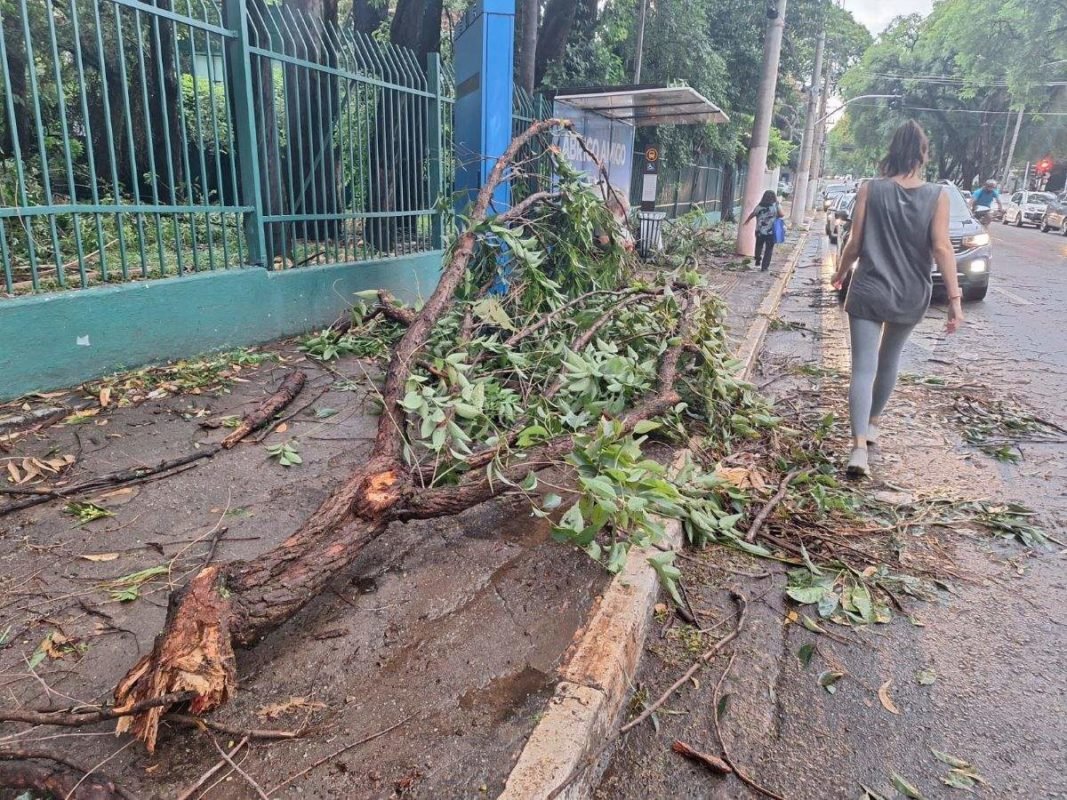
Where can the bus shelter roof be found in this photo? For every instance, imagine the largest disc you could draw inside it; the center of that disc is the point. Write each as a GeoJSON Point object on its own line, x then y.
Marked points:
{"type": "Point", "coordinates": [646, 105]}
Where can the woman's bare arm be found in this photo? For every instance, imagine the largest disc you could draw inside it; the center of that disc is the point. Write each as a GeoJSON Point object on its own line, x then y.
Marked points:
{"type": "Point", "coordinates": [945, 257]}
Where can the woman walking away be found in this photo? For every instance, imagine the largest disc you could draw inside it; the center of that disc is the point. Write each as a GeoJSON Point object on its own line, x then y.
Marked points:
{"type": "Point", "coordinates": [900, 226]}
{"type": "Point", "coordinates": [765, 214]}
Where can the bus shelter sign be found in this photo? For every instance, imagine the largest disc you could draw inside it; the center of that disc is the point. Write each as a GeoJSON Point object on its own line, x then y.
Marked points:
{"type": "Point", "coordinates": [609, 140]}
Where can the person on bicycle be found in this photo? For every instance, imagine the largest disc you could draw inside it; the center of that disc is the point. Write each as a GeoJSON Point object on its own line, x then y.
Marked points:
{"type": "Point", "coordinates": [986, 196]}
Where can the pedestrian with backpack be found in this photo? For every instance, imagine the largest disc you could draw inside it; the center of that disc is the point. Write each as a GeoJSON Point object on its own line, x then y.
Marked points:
{"type": "Point", "coordinates": [769, 229]}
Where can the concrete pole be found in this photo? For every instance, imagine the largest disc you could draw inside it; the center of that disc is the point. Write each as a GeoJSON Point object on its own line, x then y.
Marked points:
{"type": "Point", "coordinates": [761, 129]}
{"type": "Point", "coordinates": [796, 216]}
{"type": "Point", "coordinates": [1014, 141]}
{"type": "Point", "coordinates": [820, 142]}
{"type": "Point", "coordinates": [642, 14]}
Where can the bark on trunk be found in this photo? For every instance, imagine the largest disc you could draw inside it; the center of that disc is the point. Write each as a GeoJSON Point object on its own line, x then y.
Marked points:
{"type": "Point", "coordinates": [22, 771]}
{"type": "Point", "coordinates": [528, 21]}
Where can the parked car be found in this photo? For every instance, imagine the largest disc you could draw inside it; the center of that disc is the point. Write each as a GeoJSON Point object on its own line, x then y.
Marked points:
{"type": "Point", "coordinates": [1055, 218]}
{"type": "Point", "coordinates": [785, 188]}
{"type": "Point", "coordinates": [832, 192]}
{"type": "Point", "coordinates": [1026, 208]}
{"type": "Point", "coordinates": [836, 215]}
{"type": "Point", "coordinates": [970, 242]}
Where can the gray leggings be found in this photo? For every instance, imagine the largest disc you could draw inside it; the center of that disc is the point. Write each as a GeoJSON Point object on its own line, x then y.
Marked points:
{"type": "Point", "coordinates": [876, 349]}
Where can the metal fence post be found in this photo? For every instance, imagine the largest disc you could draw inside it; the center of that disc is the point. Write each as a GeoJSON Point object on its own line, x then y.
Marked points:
{"type": "Point", "coordinates": [434, 136]}
{"type": "Point", "coordinates": [239, 84]}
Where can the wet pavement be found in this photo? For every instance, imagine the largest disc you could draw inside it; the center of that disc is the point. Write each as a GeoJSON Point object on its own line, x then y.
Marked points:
{"type": "Point", "coordinates": [978, 672]}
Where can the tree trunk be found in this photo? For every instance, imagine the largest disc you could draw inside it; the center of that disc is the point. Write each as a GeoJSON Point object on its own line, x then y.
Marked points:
{"type": "Point", "coordinates": [368, 16]}
{"type": "Point", "coordinates": [726, 199]}
{"type": "Point", "coordinates": [238, 603]}
{"type": "Point", "coordinates": [529, 11]}
{"type": "Point", "coordinates": [555, 30]}
{"type": "Point", "coordinates": [16, 65]}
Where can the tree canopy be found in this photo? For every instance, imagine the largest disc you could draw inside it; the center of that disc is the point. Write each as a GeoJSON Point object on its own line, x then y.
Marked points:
{"type": "Point", "coordinates": [963, 72]}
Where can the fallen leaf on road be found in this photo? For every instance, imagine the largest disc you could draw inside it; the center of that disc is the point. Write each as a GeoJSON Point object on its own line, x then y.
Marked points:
{"type": "Point", "coordinates": [951, 760]}
{"type": "Point", "coordinates": [925, 677]}
{"type": "Point", "coordinates": [828, 678]}
{"type": "Point", "coordinates": [100, 556]}
{"type": "Point", "coordinates": [904, 787]}
{"type": "Point", "coordinates": [275, 710]}
{"type": "Point", "coordinates": [805, 653]}
{"type": "Point", "coordinates": [13, 472]}
{"type": "Point", "coordinates": [871, 794]}
{"type": "Point", "coordinates": [887, 701]}
{"type": "Point", "coordinates": [105, 397]}
{"type": "Point", "coordinates": [282, 428]}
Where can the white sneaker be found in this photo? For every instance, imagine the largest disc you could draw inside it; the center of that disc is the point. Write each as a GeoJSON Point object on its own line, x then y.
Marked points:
{"type": "Point", "coordinates": [857, 464]}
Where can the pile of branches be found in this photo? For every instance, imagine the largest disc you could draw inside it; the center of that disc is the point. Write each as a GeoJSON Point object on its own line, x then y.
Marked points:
{"type": "Point", "coordinates": [543, 345]}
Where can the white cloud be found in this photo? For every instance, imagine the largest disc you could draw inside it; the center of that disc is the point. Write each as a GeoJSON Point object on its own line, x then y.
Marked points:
{"type": "Point", "coordinates": [877, 14]}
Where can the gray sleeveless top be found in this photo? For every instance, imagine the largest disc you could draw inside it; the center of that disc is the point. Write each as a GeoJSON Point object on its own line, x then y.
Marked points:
{"type": "Point", "coordinates": [892, 282]}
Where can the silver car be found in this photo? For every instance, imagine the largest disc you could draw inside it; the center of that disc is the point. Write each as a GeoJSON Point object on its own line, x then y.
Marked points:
{"type": "Point", "coordinates": [1027, 208]}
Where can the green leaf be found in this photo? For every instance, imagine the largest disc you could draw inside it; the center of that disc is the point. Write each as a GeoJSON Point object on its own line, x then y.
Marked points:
{"type": "Point", "coordinates": [861, 598]}
{"type": "Point", "coordinates": [86, 512]}
{"type": "Point", "coordinates": [806, 594]}
{"type": "Point", "coordinates": [720, 709]}
{"type": "Point", "coordinates": [646, 426]}
{"type": "Point", "coordinates": [829, 678]}
{"type": "Point", "coordinates": [489, 309]}
{"type": "Point", "coordinates": [551, 502]}
{"type": "Point", "coordinates": [805, 653]}
{"type": "Point", "coordinates": [959, 779]}
{"type": "Point", "coordinates": [663, 564]}
{"type": "Point", "coordinates": [325, 413]}
{"type": "Point", "coordinates": [532, 435]}
{"type": "Point", "coordinates": [529, 483]}
{"type": "Point", "coordinates": [951, 760]}
{"type": "Point", "coordinates": [904, 787]}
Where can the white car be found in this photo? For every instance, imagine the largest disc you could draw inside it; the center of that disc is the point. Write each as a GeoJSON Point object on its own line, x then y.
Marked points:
{"type": "Point", "coordinates": [1027, 208]}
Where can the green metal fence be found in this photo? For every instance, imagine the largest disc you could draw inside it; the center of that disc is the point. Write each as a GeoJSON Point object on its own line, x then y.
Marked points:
{"type": "Point", "coordinates": [708, 187]}
{"type": "Point", "coordinates": [150, 138]}
{"type": "Point", "coordinates": [533, 167]}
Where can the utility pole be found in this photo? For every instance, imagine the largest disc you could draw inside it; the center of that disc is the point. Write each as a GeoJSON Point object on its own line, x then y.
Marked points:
{"type": "Point", "coordinates": [820, 141]}
{"type": "Point", "coordinates": [800, 188]}
{"type": "Point", "coordinates": [1014, 141]}
{"type": "Point", "coordinates": [761, 127]}
{"type": "Point", "coordinates": [642, 13]}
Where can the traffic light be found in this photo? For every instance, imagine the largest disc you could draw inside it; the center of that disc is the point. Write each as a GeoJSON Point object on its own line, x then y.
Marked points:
{"type": "Point", "coordinates": [1044, 166]}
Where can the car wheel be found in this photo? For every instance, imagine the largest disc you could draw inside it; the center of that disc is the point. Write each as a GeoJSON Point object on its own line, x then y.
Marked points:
{"type": "Point", "coordinates": [975, 294]}
{"type": "Point", "coordinates": [1063, 226]}
{"type": "Point", "coordinates": [1019, 220]}
{"type": "Point", "coordinates": [1044, 226]}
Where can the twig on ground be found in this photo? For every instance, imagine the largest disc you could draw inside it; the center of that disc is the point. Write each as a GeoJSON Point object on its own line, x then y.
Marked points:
{"type": "Point", "coordinates": [701, 661]}
{"type": "Point", "coordinates": [229, 730]}
{"type": "Point", "coordinates": [338, 752]}
{"type": "Point", "coordinates": [34, 777]}
{"type": "Point", "coordinates": [742, 776]}
{"type": "Point", "coordinates": [248, 778]}
{"type": "Point", "coordinates": [765, 512]}
{"type": "Point", "coordinates": [74, 719]}
{"type": "Point", "coordinates": [188, 793]}
{"type": "Point", "coordinates": [714, 763]}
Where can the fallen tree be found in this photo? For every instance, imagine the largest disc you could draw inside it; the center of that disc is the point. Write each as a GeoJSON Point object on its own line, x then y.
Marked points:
{"type": "Point", "coordinates": [540, 346]}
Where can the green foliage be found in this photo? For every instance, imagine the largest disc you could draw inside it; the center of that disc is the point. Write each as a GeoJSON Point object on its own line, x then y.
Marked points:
{"type": "Point", "coordinates": [86, 512]}
{"type": "Point", "coordinates": [285, 454]}
{"type": "Point", "coordinates": [128, 588]}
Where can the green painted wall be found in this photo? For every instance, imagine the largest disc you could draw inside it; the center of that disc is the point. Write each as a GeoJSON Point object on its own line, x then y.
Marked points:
{"type": "Point", "coordinates": [62, 339]}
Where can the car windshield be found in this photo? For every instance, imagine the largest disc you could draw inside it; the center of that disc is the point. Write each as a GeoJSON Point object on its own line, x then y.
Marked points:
{"type": "Point", "coordinates": [957, 206]}
{"type": "Point", "coordinates": [1041, 197]}
{"type": "Point", "coordinates": [836, 188]}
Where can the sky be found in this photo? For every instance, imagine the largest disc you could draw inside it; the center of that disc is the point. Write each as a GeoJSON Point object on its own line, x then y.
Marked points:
{"type": "Point", "coordinates": [877, 14]}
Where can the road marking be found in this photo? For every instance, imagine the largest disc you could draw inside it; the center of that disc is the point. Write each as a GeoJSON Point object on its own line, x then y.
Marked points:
{"type": "Point", "coordinates": [1012, 296]}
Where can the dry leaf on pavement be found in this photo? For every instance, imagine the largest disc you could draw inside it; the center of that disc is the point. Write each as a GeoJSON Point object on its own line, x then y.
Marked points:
{"type": "Point", "coordinates": [887, 701]}
{"type": "Point", "coordinates": [275, 710]}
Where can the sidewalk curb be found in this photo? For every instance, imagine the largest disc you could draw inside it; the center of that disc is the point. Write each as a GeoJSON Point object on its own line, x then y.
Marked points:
{"type": "Point", "coordinates": [750, 348]}
{"type": "Point", "coordinates": [596, 679]}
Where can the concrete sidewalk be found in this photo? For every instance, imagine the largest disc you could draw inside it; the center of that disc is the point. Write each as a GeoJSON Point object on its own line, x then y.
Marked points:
{"type": "Point", "coordinates": [454, 628]}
